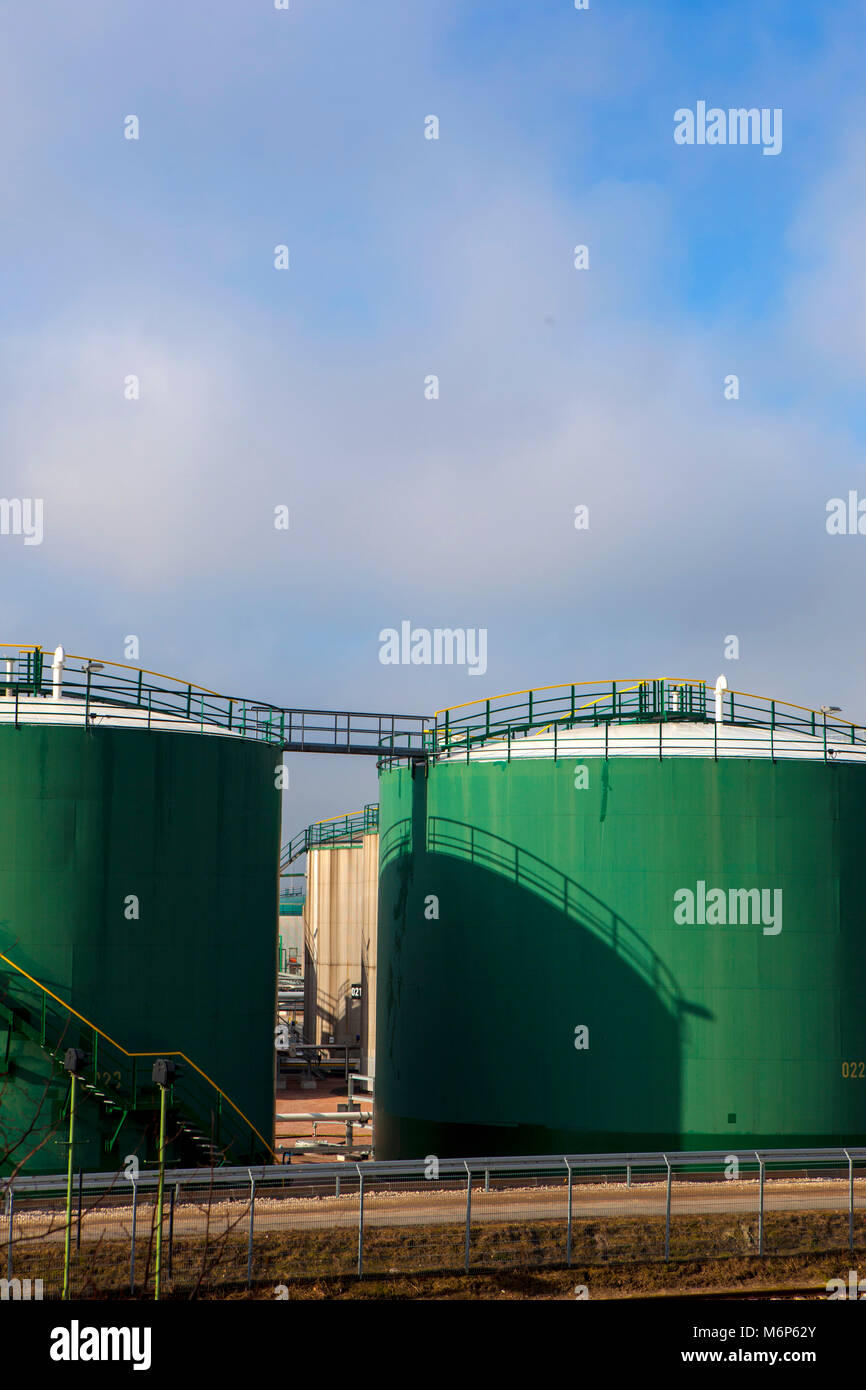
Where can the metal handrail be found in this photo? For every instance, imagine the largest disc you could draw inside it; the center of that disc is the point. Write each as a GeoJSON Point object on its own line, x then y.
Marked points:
{"type": "Point", "coordinates": [149, 698]}
{"type": "Point", "coordinates": [531, 713]}
{"type": "Point", "coordinates": [316, 1174]}
{"type": "Point", "coordinates": [334, 830]}
{"type": "Point", "coordinates": [99, 1033]}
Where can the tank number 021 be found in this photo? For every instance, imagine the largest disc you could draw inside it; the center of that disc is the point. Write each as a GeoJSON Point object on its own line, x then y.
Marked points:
{"type": "Point", "coordinates": [854, 1070]}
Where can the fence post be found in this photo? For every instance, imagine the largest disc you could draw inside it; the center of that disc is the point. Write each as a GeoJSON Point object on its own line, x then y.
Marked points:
{"type": "Point", "coordinates": [80, 1183]}
{"type": "Point", "coordinates": [252, 1220]}
{"type": "Point", "coordinates": [171, 1226]}
{"type": "Point", "coordinates": [360, 1222]}
{"type": "Point", "coordinates": [760, 1203]}
{"type": "Point", "coordinates": [850, 1200]}
{"type": "Point", "coordinates": [668, 1212]}
{"type": "Point", "coordinates": [10, 1207]}
{"type": "Point", "coordinates": [628, 1175]}
{"type": "Point", "coordinates": [132, 1243]}
{"type": "Point", "coordinates": [468, 1212]}
{"type": "Point", "coordinates": [568, 1228]}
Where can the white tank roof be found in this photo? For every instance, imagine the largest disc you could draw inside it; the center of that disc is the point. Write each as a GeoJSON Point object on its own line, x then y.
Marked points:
{"type": "Point", "coordinates": [675, 738]}
{"type": "Point", "coordinates": [42, 709]}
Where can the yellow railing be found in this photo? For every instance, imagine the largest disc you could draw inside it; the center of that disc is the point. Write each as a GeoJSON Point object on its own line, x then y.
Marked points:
{"type": "Point", "coordinates": [529, 713]}
{"type": "Point", "coordinates": [113, 1042]}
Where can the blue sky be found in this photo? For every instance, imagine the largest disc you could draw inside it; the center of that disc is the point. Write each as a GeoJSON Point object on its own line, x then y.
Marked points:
{"type": "Point", "coordinates": [409, 257]}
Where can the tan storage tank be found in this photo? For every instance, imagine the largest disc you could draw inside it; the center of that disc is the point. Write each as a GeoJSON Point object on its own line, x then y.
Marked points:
{"type": "Point", "coordinates": [340, 922]}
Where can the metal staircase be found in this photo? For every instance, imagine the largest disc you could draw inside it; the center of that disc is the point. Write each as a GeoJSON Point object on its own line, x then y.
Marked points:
{"type": "Point", "coordinates": [349, 828]}
{"type": "Point", "coordinates": [207, 1127]}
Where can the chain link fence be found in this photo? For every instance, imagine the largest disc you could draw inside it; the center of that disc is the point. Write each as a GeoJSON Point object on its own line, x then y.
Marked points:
{"type": "Point", "coordinates": [228, 1230]}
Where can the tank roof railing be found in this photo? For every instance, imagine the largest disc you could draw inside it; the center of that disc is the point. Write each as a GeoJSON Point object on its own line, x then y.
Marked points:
{"type": "Point", "coordinates": [527, 714]}
{"type": "Point", "coordinates": [349, 827]}
{"type": "Point", "coordinates": [151, 700]}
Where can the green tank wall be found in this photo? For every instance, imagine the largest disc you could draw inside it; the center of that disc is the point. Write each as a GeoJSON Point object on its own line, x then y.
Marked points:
{"type": "Point", "coordinates": [189, 824]}
{"type": "Point", "coordinates": [556, 909]}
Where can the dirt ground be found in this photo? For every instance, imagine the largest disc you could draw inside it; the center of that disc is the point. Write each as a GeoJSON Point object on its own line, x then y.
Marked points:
{"type": "Point", "coordinates": [727, 1209]}
{"type": "Point", "coordinates": [328, 1095]}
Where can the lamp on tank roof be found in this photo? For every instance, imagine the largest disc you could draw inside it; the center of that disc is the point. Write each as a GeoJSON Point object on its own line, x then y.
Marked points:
{"type": "Point", "coordinates": [89, 667]}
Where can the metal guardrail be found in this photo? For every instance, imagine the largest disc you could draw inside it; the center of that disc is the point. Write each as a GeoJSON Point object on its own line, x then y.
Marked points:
{"type": "Point", "coordinates": [528, 1165]}
{"type": "Point", "coordinates": [551, 710]}
{"type": "Point", "coordinates": [284, 1223]}
{"type": "Point", "coordinates": [109, 690]}
{"type": "Point", "coordinates": [336, 830]}
{"type": "Point", "coordinates": [659, 740]}
{"type": "Point", "coordinates": [361, 732]}
{"type": "Point", "coordinates": [147, 699]}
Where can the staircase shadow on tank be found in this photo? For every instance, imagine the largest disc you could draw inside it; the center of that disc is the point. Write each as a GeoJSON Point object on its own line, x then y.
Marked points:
{"type": "Point", "coordinates": [481, 1006]}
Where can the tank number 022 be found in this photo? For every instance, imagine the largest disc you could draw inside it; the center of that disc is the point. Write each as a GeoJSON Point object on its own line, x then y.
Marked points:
{"type": "Point", "coordinates": [854, 1070]}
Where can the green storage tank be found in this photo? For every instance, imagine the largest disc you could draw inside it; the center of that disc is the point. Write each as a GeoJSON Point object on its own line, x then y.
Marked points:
{"type": "Point", "coordinates": [138, 903]}
{"type": "Point", "coordinates": [623, 919]}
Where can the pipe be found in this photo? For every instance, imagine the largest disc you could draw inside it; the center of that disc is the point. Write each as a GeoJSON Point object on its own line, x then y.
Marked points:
{"type": "Point", "coordinates": [347, 1117]}
{"type": "Point", "coordinates": [721, 685]}
{"type": "Point", "coordinates": [343, 1116]}
{"type": "Point", "coordinates": [356, 1076]}
{"type": "Point", "coordinates": [57, 673]}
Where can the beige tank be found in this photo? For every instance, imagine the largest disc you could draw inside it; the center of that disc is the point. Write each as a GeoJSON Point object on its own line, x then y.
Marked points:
{"type": "Point", "coordinates": [340, 919]}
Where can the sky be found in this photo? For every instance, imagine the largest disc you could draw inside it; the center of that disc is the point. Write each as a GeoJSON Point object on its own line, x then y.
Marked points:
{"type": "Point", "coordinates": [409, 258]}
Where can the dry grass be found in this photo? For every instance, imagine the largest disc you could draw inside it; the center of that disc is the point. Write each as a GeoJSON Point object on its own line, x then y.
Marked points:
{"type": "Point", "coordinates": [615, 1257]}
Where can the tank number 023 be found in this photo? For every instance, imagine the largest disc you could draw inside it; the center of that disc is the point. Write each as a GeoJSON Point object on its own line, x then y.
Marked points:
{"type": "Point", "coordinates": [854, 1070]}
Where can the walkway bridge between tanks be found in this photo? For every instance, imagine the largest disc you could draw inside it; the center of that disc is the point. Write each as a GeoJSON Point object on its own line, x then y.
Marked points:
{"type": "Point", "coordinates": [55, 688]}
{"type": "Point", "coordinates": [397, 736]}
{"type": "Point", "coordinates": [41, 687]}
